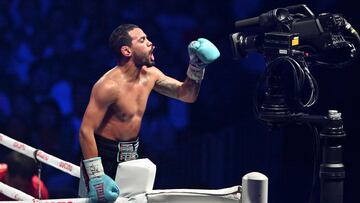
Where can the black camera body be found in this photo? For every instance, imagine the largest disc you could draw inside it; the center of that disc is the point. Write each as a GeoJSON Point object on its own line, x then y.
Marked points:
{"type": "Point", "coordinates": [295, 28]}
{"type": "Point", "coordinates": [291, 39]}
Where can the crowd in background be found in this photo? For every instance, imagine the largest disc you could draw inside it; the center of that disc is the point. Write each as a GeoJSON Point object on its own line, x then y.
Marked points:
{"type": "Point", "coordinates": [52, 52]}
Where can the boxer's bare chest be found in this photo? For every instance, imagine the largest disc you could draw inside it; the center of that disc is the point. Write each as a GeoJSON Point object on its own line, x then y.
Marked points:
{"type": "Point", "coordinates": [131, 99]}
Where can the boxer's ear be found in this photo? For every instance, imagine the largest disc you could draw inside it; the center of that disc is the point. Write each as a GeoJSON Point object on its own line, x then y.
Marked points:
{"type": "Point", "coordinates": [126, 51]}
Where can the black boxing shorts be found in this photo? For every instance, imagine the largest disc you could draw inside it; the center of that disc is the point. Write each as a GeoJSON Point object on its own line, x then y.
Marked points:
{"type": "Point", "coordinates": [114, 152]}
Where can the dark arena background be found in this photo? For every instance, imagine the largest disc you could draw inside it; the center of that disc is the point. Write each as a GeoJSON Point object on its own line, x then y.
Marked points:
{"type": "Point", "coordinates": [52, 52]}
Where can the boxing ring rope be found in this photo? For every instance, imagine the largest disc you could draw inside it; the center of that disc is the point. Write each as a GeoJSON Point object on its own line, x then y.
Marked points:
{"type": "Point", "coordinates": [79, 200]}
{"type": "Point", "coordinates": [75, 200]}
{"type": "Point", "coordinates": [45, 158]}
{"type": "Point", "coordinates": [14, 193]}
{"type": "Point", "coordinates": [42, 156]}
{"type": "Point", "coordinates": [20, 196]}
{"type": "Point", "coordinates": [255, 184]}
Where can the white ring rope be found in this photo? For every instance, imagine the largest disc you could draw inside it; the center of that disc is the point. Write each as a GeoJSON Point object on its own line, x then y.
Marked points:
{"type": "Point", "coordinates": [42, 156]}
{"type": "Point", "coordinates": [68, 200]}
{"type": "Point", "coordinates": [14, 193]}
{"type": "Point", "coordinates": [46, 158]}
{"type": "Point", "coordinates": [229, 194]}
{"type": "Point", "coordinates": [74, 200]}
{"type": "Point", "coordinates": [77, 200]}
{"type": "Point", "coordinates": [21, 197]}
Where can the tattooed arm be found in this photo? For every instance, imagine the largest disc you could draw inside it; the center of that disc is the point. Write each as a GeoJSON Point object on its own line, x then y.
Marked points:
{"type": "Point", "coordinates": [186, 91]}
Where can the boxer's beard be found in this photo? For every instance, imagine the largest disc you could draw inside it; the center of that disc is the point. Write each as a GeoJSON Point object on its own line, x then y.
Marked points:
{"type": "Point", "coordinates": [143, 59]}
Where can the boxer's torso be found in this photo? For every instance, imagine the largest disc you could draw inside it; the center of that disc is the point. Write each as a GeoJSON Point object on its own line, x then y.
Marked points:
{"type": "Point", "coordinates": [123, 117]}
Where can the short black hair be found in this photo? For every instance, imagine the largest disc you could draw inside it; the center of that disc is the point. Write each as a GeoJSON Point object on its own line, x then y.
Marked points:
{"type": "Point", "coordinates": [120, 37]}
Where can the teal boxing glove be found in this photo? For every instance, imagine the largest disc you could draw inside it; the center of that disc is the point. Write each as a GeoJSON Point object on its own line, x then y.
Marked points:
{"type": "Point", "coordinates": [101, 187]}
{"type": "Point", "coordinates": [202, 52]}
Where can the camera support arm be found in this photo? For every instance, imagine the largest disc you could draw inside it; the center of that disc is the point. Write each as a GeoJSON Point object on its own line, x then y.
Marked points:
{"type": "Point", "coordinates": [332, 170]}
{"type": "Point", "coordinates": [332, 134]}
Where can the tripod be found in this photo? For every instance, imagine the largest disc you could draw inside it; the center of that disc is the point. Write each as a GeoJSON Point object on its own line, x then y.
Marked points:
{"type": "Point", "coordinates": [275, 112]}
{"type": "Point", "coordinates": [332, 134]}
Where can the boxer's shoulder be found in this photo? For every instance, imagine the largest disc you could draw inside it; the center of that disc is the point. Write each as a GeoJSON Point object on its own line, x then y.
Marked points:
{"type": "Point", "coordinates": [153, 71]}
{"type": "Point", "coordinates": [106, 84]}
{"type": "Point", "coordinates": [150, 70]}
{"type": "Point", "coordinates": [106, 89]}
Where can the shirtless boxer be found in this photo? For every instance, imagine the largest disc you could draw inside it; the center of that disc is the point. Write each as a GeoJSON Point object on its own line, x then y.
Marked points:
{"type": "Point", "coordinates": [111, 123]}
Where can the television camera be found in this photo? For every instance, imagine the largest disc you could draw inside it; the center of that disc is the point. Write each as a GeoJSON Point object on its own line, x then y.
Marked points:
{"type": "Point", "coordinates": [292, 39]}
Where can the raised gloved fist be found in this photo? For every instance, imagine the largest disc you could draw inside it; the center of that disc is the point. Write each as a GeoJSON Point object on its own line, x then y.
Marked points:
{"type": "Point", "coordinates": [101, 187]}
{"type": "Point", "coordinates": [202, 52]}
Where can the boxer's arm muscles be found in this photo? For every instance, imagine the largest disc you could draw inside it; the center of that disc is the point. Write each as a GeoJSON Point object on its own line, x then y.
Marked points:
{"type": "Point", "coordinates": [186, 91]}
{"type": "Point", "coordinates": [102, 96]}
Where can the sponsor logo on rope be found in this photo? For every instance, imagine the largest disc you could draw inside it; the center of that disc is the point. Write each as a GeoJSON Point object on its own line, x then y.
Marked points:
{"type": "Point", "coordinates": [19, 145]}
{"type": "Point", "coordinates": [42, 155]}
{"type": "Point", "coordinates": [16, 197]}
{"type": "Point", "coordinates": [65, 166]}
{"type": "Point", "coordinates": [44, 201]}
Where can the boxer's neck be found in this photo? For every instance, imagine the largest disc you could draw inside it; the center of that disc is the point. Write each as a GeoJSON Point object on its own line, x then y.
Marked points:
{"type": "Point", "coordinates": [129, 71]}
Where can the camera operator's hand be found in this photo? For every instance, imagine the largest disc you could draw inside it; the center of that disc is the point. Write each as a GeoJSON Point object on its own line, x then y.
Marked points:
{"type": "Point", "coordinates": [202, 52]}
